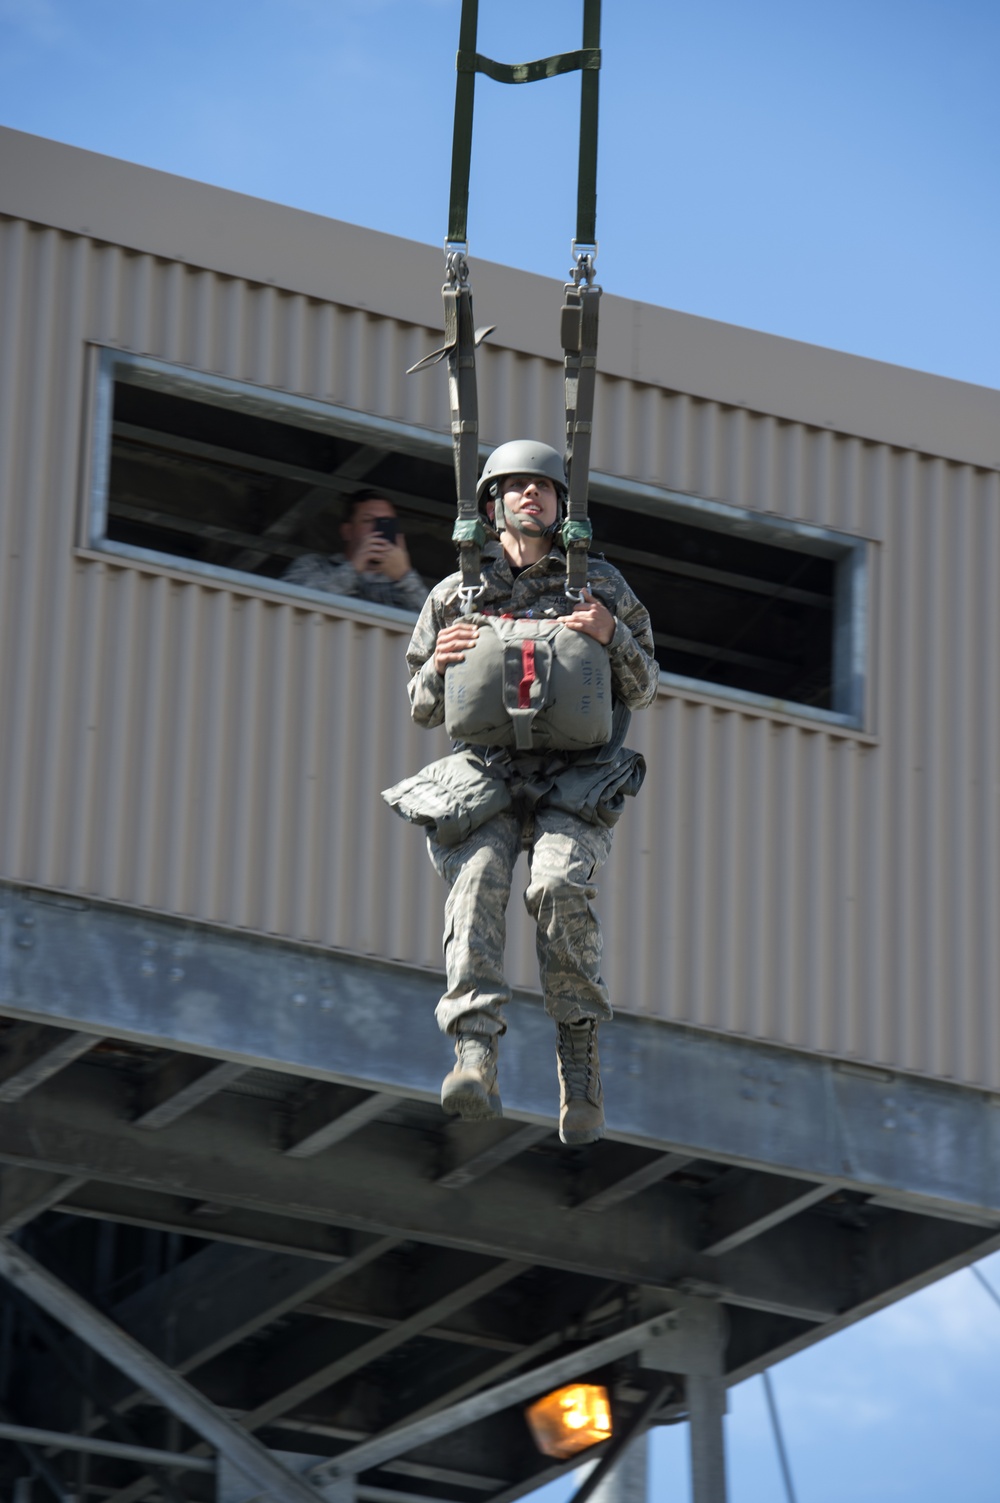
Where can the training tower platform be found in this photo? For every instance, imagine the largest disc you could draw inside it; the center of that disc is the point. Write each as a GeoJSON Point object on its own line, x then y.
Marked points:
{"type": "Point", "coordinates": [243, 1252]}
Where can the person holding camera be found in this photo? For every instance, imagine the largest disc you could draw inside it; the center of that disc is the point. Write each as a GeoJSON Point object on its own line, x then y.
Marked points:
{"type": "Point", "coordinates": [375, 563]}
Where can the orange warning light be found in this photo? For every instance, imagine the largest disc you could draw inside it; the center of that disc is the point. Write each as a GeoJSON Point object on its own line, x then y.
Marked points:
{"type": "Point", "coordinates": [570, 1419]}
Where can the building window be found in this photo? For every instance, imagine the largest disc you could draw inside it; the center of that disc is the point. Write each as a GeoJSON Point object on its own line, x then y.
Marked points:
{"type": "Point", "coordinates": [238, 480]}
{"type": "Point", "coordinates": [750, 606]}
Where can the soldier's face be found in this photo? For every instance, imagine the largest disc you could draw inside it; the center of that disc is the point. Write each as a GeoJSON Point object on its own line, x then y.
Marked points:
{"type": "Point", "coordinates": [533, 500]}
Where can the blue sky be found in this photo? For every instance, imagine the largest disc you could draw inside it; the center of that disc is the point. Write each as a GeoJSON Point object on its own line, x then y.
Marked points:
{"type": "Point", "coordinates": [828, 173]}
{"type": "Point", "coordinates": [825, 172]}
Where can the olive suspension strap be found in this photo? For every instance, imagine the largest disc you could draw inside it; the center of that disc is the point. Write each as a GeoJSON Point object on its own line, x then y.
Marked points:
{"type": "Point", "coordinates": [579, 314]}
{"type": "Point", "coordinates": [579, 341]}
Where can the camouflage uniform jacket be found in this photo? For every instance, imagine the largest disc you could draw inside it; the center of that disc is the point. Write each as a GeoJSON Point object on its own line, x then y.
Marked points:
{"type": "Point", "coordinates": [337, 575]}
{"type": "Point", "coordinates": [540, 588]}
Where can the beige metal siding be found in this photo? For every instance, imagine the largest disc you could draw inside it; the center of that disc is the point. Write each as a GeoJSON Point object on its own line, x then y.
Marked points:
{"type": "Point", "coordinates": [217, 752]}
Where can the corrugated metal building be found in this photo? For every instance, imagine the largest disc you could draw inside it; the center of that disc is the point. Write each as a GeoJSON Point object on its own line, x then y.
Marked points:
{"type": "Point", "coordinates": [219, 950]}
{"type": "Point", "coordinates": [205, 744]}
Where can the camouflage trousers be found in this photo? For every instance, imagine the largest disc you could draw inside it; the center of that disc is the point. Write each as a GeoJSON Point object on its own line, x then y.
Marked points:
{"type": "Point", "coordinates": [564, 852]}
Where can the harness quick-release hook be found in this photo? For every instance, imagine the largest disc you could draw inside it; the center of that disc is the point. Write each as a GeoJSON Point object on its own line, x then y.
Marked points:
{"type": "Point", "coordinates": [584, 267]}
{"type": "Point", "coordinates": [456, 264]}
{"type": "Point", "coordinates": [469, 594]}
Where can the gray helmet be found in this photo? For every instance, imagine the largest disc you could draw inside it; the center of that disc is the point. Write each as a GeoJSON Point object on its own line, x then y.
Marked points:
{"type": "Point", "coordinates": [522, 456]}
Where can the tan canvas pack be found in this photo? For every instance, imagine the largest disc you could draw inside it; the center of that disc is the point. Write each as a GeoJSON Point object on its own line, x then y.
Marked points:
{"type": "Point", "coordinates": [530, 684]}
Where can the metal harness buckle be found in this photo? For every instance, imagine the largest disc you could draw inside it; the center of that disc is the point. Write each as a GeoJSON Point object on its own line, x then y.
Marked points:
{"type": "Point", "coordinates": [584, 268]}
{"type": "Point", "coordinates": [468, 595]}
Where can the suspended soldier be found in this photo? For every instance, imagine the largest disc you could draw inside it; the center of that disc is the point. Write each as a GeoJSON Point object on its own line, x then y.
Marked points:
{"type": "Point", "coordinates": [537, 692]}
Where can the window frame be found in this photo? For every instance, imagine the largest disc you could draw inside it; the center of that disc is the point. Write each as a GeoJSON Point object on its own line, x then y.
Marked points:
{"type": "Point", "coordinates": [850, 553]}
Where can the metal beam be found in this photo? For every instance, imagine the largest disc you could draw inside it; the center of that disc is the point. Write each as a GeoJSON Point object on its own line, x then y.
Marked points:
{"type": "Point", "coordinates": [378, 1183]}
{"type": "Point", "coordinates": [402, 1331]}
{"type": "Point", "coordinates": [224, 1294]}
{"type": "Point", "coordinates": [87, 1385]}
{"type": "Point", "coordinates": [132, 1205]}
{"type": "Point", "coordinates": [40, 1466]}
{"type": "Point", "coordinates": [317, 1378]}
{"type": "Point", "coordinates": [728, 579]}
{"type": "Point", "coordinates": [706, 1398]}
{"type": "Point", "coordinates": [34, 1053]}
{"type": "Point", "coordinates": [901, 1247]}
{"type": "Point", "coordinates": [232, 1491]}
{"type": "Point", "coordinates": [474, 1154]}
{"type": "Point", "coordinates": [624, 1186]}
{"type": "Point", "coordinates": [220, 1297]}
{"type": "Point", "coordinates": [233, 1488]}
{"type": "Point", "coordinates": [628, 1482]}
{"type": "Point", "coordinates": [697, 1349]}
{"type": "Point", "coordinates": [408, 1437]}
{"type": "Point", "coordinates": [219, 454]}
{"type": "Point", "coordinates": [26, 1193]}
{"type": "Point", "coordinates": [761, 1202]}
{"type": "Point", "coordinates": [180, 1084]}
{"type": "Point", "coordinates": [488, 1376]}
{"type": "Point", "coordinates": [133, 506]}
{"type": "Point", "coordinates": [325, 1120]}
{"type": "Point", "coordinates": [176, 1395]}
{"type": "Point", "coordinates": [617, 1453]}
{"type": "Point", "coordinates": [468, 1333]}
{"type": "Point", "coordinates": [66, 1441]}
{"type": "Point", "coordinates": [864, 1297]}
{"type": "Point", "coordinates": [268, 1004]}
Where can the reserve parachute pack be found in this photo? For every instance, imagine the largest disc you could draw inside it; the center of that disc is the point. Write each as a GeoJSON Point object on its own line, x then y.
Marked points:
{"type": "Point", "coordinates": [530, 684]}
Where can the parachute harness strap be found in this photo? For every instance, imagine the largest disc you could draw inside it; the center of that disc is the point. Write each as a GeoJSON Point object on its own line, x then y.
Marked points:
{"type": "Point", "coordinates": [581, 302]}
{"type": "Point", "coordinates": [469, 533]}
{"type": "Point", "coordinates": [469, 62]}
{"type": "Point", "coordinates": [579, 314]}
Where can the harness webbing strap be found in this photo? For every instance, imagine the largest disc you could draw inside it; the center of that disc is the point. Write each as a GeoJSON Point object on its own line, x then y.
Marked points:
{"type": "Point", "coordinates": [534, 72]}
{"type": "Point", "coordinates": [461, 141]}
{"type": "Point", "coordinates": [579, 341]}
{"type": "Point", "coordinates": [460, 342]}
{"type": "Point", "coordinates": [586, 61]}
{"type": "Point", "coordinates": [586, 181]}
{"type": "Point", "coordinates": [579, 314]}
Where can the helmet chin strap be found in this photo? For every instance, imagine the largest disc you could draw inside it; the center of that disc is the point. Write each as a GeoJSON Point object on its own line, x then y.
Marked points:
{"type": "Point", "coordinates": [527, 526]}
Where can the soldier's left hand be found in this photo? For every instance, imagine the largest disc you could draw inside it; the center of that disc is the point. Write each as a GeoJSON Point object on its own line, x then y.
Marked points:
{"type": "Point", "coordinates": [592, 618]}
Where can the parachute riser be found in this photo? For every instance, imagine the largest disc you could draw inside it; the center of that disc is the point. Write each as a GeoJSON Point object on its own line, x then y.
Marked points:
{"type": "Point", "coordinates": [579, 312]}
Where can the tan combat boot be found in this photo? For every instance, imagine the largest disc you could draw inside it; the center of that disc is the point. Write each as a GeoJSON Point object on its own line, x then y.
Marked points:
{"type": "Point", "coordinates": [581, 1099]}
{"type": "Point", "coordinates": [471, 1091]}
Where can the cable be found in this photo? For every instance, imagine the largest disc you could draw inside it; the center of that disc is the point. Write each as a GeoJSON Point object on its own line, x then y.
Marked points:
{"type": "Point", "coordinates": [778, 1439]}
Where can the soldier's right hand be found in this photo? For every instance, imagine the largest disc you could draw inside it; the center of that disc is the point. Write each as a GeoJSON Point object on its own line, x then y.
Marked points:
{"type": "Point", "coordinates": [452, 644]}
